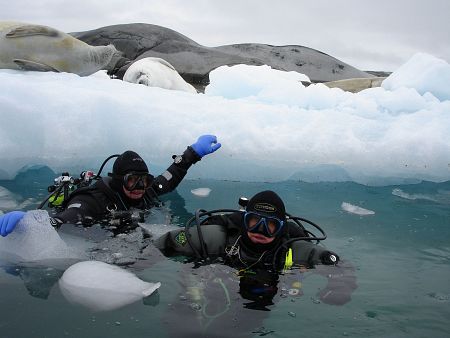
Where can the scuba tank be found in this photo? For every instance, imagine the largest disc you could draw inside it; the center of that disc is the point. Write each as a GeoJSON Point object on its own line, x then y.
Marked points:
{"type": "Point", "coordinates": [65, 184]}
{"type": "Point", "coordinates": [64, 187]}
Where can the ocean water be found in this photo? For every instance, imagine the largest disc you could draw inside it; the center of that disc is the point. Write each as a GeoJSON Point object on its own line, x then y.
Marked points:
{"type": "Point", "coordinates": [400, 256]}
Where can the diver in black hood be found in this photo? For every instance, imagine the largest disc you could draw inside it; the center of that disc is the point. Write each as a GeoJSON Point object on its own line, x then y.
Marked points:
{"type": "Point", "coordinates": [266, 252]}
{"type": "Point", "coordinates": [130, 185]}
{"type": "Point", "coordinates": [262, 235]}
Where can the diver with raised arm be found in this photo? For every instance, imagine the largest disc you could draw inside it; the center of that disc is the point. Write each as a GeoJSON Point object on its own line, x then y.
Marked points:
{"type": "Point", "coordinates": [130, 186]}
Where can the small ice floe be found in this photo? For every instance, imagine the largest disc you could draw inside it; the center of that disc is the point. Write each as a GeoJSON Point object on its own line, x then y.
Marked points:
{"type": "Point", "coordinates": [201, 192]}
{"type": "Point", "coordinates": [402, 194]}
{"type": "Point", "coordinates": [35, 239]}
{"type": "Point", "coordinates": [412, 197]}
{"type": "Point", "coordinates": [103, 287]}
{"type": "Point", "coordinates": [353, 209]}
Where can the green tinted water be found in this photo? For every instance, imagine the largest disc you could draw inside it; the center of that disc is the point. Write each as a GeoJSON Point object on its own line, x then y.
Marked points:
{"type": "Point", "coordinates": [401, 256]}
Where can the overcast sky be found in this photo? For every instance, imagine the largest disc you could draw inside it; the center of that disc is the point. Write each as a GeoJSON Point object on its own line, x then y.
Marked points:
{"type": "Point", "coordinates": [367, 34]}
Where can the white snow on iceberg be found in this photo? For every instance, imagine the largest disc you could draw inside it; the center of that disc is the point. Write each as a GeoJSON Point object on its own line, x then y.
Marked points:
{"type": "Point", "coordinates": [268, 132]}
{"type": "Point", "coordinates": [423, 72]}
{"type": "Point", "coordinates": [261, 83]}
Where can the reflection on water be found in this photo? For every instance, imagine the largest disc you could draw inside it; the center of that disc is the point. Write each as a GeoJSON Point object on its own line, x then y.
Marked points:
{"type": "Point", "coordinates": [400, 257]}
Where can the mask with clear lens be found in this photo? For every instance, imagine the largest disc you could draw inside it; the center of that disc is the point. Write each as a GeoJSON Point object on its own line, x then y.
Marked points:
{"type": "Point", "coordinates": [134, 181]}
{"type": "Point", "coordinates": [267, 226]}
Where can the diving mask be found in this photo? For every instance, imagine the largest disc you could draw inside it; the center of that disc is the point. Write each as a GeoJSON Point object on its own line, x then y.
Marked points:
{"type": "Point", "coordinates": [265, 225]}
{"type": "Point", "coordinates": [137, 181]}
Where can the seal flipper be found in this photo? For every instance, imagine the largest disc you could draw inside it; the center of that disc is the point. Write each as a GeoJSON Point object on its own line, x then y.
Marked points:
{"type": "Point", "coordinates": [34, 66]}
{"type": "Point", "coordinates": [30, 30]}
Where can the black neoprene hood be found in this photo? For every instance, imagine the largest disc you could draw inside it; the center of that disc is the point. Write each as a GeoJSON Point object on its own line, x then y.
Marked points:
{"type": "Point", "coordinates": [267, 203]}
{"type": "Point", "coordinates": [128, 162]}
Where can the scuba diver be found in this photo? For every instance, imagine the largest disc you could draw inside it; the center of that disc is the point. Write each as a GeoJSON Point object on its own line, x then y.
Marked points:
{"type": "Point", "coordinates": [130, 186]}
{"type": "Point", "coordinates": [260, 242]}
{"type": "Point", "coordinates": [263, 235]}
{"type": "Point", "coordinates": [257, 252]}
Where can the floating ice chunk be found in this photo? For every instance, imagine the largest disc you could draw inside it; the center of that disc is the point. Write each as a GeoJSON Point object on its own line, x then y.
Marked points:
{"type": "Point", "coordinates": [103, 287]}
{"type": "Point", "coordinates": [201, 192]}
{"type": "Point", "coordinates": [353, 209]}
{"type": "Point", "coordinates": [402, 194]}
{"type": "Point", "coordinates": [413, 197]}
{"type": "Point", "coordinates": [34, 239]}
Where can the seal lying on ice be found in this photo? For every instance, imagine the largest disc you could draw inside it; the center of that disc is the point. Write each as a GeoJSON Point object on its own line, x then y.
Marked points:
{"type": "Point", "coordinates": [156, 72]}
{"type": "Point", "coordinates": [41, 48]}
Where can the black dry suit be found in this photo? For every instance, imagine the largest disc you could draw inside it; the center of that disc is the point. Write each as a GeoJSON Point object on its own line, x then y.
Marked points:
{"type": "Point", "coordinates": [105, 200]}
{"type": "Point", "coordinates": [224, 236]}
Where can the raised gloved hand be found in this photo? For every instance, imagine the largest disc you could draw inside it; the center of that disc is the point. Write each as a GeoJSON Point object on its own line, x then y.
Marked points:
{"type": "Point", "coordinates": [206, 144]}
{"type": "Point", "coordinates": [329, 258]}
{"type": "Point", "coordinates": [9, 221]}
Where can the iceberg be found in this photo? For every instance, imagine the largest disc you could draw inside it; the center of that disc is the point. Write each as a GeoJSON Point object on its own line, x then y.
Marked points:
{"type": "Point", "coordinates": [270, 125]}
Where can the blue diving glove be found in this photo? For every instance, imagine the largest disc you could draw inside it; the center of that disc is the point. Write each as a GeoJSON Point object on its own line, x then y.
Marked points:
{"type": "Point", "coordinates": [9, 221]}
{"type": "Point", "coordinates": [206, 144]}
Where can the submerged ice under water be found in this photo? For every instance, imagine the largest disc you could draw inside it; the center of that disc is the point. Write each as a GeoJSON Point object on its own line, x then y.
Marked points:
{"type": "Point", "coordinates": [93, 284]}
{"type": "Point", "coordinates": [400, 254]}
{"type": "Point", "coordinates": [103, 287]}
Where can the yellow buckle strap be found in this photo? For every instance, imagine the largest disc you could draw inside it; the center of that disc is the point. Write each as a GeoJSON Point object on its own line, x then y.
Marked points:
{"type": "Point", "coordinates": [288, 261]}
